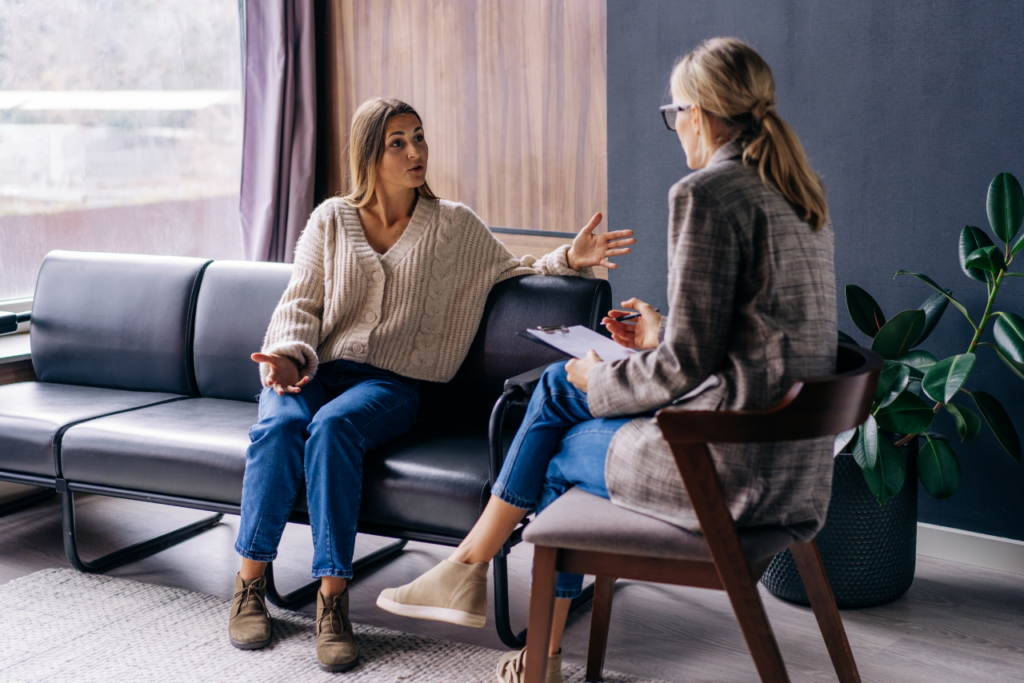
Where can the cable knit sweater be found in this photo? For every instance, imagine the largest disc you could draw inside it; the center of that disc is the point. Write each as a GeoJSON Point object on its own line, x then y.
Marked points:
{"type": "Point", "coordinates": [413, 310]}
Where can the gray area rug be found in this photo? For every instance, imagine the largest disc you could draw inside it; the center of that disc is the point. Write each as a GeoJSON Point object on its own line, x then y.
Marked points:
{"type": "Point", "coordinates": [60, 625]}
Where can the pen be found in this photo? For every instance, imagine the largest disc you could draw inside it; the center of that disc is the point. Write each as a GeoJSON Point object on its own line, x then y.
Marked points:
{"type": "Point", "coordinates": [632, 316]}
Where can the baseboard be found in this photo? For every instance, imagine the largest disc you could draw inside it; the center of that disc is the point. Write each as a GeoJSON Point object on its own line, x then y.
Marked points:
{"type": "Point", "coordinates": [968, 547]}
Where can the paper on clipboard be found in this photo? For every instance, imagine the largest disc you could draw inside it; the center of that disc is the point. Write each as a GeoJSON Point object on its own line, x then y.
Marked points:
{"type": "Point", "coordinates": [577, 340]}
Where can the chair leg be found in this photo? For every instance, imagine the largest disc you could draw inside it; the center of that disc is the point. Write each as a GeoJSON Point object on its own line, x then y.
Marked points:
{"type": "Point", "coordinates": [746, 603]}
{"type": "Point", "coordinates": [600, 620]}
{"type": "Point", "coordinates": [502, 615]}
{"type": "Point", "coordinates": [542, 612]}
{"type": "Point", "coordinates": [304, 595]}
{"type": "Point", "coordinates": [132, 553]}
{"type": "Point", "coordinates": [819, 592]}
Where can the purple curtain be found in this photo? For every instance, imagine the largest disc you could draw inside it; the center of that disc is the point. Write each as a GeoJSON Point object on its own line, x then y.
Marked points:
{"type": "Point", "coordinates": [279, 138]}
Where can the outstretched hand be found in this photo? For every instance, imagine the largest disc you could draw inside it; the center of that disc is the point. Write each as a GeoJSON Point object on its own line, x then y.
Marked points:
{"type": "Point", "coordinates": [589, 249]}
{"type": "Point", "coordinates": [639, 336]}
{"type": "Point", "coordinates": [284, 373]}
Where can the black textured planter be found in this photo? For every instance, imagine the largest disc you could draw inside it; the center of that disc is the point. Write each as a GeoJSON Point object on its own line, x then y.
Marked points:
{"type": "Point", "coordinates": [869, 550]}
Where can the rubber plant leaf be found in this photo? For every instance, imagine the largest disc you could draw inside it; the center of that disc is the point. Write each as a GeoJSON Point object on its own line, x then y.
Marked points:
{"type": "Point", "coordinates": [1009, 334]}
{"type": "Point", "coordinates": [865, 451]}
{"type": "Point", "coordinates": [843, 440]}
{"type": "Point", "coordinates": [1005, 206]}
{"type": "Point", "coordinates": [972, 239]}
{"type": "Point", "coordinates": [908, 414]}
{"type": "Point", "coordinates": [917, 359]}
{"type": "Point", "coordinates": [946, 377]}
{"type": "Point", "coordinates": [968, 424]}
{"type": "Point", "coordinates": [899, 334]}
{"type": "Point", "coordinates": [939, 468]}
{"type": "Point", "coordinates": [891, 383]}
{"type": "Point", "coordinates": [989, 259]}
{"type": "Point", "coordinates": [1015, 367]}
{"type": "Point", "coordinates": [933, 307]}
{"type": "Point", "coordinates": [931, 283]}
{"type": "Point", "coordinates": [864, 310]}
{"type": "Point", "coordinates": [885, 479]}
{"type": "Point", "coordinates": [998, 421]}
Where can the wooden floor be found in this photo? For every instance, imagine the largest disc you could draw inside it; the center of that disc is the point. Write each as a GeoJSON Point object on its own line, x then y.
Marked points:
{"type": "Point", "coordinates": [957, 623]}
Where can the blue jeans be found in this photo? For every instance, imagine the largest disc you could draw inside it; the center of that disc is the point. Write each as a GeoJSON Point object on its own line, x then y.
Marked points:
{"type": "Point", "coordinates": [319, 437]}
{"type": "Point", "coordinates": [559, 445]}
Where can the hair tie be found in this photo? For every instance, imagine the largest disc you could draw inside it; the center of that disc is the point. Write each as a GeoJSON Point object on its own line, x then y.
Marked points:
{"type": "Point", "coordinates": [761, 109]}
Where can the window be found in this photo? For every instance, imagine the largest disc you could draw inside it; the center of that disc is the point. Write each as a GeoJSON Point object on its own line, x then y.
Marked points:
{"type": "Point", "coordinates": [120, 130]}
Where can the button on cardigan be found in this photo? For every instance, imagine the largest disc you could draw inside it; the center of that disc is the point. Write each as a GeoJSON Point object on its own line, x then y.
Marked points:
{"type": "Point", "coordinates": [413, 310]}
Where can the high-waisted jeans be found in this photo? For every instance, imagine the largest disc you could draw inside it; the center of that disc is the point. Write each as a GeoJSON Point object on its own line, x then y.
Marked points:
{"type": "Point", "coordinates": [559, 445]}
{"type": "Point", "coordinates": [319, 437]}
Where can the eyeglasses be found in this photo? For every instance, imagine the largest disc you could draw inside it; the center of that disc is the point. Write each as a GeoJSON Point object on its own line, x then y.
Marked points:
{"type": "Point", "coordinates": [669, 111]}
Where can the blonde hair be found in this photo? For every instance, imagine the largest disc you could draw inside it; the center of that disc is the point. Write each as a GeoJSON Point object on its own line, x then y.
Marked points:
{"type": "Point", "coordinates": [729, 81]}
{"type": "Point", "coordinates": [366, 143]}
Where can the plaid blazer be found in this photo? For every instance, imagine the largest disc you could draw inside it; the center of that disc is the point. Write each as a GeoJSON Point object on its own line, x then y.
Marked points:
{"type": "Point", "coordinates": [752, 307]}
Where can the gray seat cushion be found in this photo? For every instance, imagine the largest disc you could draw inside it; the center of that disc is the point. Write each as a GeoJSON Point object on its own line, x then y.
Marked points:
{"type": "Point", "coordinates": [33, 415]}
{"type": "Point", "coordinates": [193, 449]}
{"type": "Point", "coordinates": [434, 479]}
{"type": "Point", "coordinates": [582, 521]}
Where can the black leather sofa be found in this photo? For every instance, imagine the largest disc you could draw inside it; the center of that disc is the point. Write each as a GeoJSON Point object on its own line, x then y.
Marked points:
{"type": "Point", "coordinates": [146, 391]}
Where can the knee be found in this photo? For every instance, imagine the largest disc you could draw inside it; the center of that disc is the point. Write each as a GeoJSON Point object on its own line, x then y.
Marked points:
{"type": "Point", "coordinates": [282, 419]}
{"type": "Point", "coordinates": [330, 429]}
{"type": "Point", "coordinates": [554, 378]}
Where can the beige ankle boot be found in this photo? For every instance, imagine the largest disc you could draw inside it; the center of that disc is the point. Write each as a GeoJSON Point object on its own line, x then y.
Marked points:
{"type": "Point", "coordinates": [512, 667]}
{"type": "Point", "coordinates": [451, 591]}
{"type": "Point", "coordinates": [336, 647]}
{"type": "Point", "coordinates": [249, 626]}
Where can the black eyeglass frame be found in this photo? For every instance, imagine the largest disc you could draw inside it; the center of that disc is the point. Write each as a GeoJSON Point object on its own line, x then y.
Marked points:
{"type": "Point", "coordinates": [672, 109]}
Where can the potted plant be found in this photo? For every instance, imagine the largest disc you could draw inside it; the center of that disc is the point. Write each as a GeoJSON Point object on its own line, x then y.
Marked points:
{"type": "Point", "coordinates": [869, 541]}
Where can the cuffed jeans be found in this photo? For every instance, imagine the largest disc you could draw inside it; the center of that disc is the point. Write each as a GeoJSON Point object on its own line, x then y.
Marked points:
{"type": "Point", "coordinates": [559, 445]}
{"type": "Point", "coordinates": [319, 437]}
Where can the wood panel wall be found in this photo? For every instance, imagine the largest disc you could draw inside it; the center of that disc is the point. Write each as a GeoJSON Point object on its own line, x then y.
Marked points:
{"type": "Point", "coordinates": [512, 96]}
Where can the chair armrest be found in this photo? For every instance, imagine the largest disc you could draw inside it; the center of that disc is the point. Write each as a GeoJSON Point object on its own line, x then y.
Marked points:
{"type": "Point", "coordinates": [525, 382]}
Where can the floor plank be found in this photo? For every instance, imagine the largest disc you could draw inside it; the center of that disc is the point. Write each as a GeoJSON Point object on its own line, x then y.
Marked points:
{"type": "Point", "coordinates": [957, 622]}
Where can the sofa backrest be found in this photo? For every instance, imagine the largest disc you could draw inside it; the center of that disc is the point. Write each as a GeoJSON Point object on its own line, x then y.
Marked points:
{"type": "Point", "coordinates": [234, 308]}
{"type": "Point", "coordinates": [498, 352]}
{"type": "Point", "coordinates": [116, 320]}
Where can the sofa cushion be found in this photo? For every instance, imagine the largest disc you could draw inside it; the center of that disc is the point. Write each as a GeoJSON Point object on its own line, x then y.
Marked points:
{"type": "Point", "coordinates": [235, 303]}
{"type": "Point", "coordinates": [115, 320]}
{"type": "Point", "coordinates": [192, 449]}
{"type": "Point", "coordinates": [434, 479]}
{"type": "Point", "coordinates": [33, 415]}
{"type": "Point", "coordinates": [583, 521]}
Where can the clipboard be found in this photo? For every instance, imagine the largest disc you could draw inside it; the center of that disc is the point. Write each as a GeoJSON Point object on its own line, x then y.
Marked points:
{"type": "Point", "coordinates": [576, 340]}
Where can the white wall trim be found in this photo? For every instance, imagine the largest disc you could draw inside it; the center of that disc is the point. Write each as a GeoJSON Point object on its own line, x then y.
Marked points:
{"type": "Point", "coordinates": [968, 547]}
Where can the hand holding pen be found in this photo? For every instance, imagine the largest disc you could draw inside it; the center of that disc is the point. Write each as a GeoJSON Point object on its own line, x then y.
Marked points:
{"type": "Point", "coordinates": [641, 335]}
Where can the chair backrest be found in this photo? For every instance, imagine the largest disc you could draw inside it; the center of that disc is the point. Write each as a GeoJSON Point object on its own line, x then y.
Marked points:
{"type": "Point", "coordinates": [812, 408]}
{"type": "Point", "coordinates": [233, 311]}
{"type": "Point", "coordinates": [116, 320]}
{"type": "Point", "coordinates": [498, 352]}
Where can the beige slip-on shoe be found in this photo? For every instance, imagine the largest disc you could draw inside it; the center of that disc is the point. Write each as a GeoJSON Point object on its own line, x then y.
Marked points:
{"type": "Point", "coordinates": [451, 591]}
{"type": "Point", "coordinates": [512, 667]}
{"type": "Point", "coordinates": [336, 647]}
{"type": "Point", "coordinates": [249, 626]}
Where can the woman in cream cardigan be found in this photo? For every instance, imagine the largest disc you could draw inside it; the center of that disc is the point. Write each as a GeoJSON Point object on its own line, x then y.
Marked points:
{"type": "Point", "coordinates": [388, 288]}
{"type": "Point", "coordinates": [752, 307]}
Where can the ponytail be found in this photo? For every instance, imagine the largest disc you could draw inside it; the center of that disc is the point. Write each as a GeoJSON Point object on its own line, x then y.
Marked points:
{"type": "Point", "coordinates": [727, 79]}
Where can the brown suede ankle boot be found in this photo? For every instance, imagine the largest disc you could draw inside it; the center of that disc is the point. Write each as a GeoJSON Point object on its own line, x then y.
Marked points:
{"type": "Point", "coordinates": [249, 626]}
{"type": "Point", "coordinates": [336, 647]}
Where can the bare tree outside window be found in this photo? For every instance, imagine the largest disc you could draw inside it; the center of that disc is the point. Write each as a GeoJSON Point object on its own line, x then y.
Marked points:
{"type": "Point", "coordinates": [120, 130]}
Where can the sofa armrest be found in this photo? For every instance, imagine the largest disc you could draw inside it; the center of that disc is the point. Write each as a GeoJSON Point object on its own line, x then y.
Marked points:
{"type": "Point", "coordinates": [525, 382]}
{"type": "Point", "coordinates": [9, 321]}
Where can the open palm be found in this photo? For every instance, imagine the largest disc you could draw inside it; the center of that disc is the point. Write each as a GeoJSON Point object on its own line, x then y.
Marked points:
{"type": "Point", "coordinates": [589, 249]}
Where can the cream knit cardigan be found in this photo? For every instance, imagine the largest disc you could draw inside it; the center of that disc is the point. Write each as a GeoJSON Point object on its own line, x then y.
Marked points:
{"type": "Point", "coordinates": [413, 310]}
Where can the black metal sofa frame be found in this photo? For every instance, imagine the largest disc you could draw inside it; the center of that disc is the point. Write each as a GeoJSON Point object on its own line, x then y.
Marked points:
{"type": "Point", "coordinates": [145, 391]}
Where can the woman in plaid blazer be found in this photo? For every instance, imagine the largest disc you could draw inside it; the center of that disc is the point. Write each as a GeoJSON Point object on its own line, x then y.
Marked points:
{"type": "Point", "coordinates": [751, 289]}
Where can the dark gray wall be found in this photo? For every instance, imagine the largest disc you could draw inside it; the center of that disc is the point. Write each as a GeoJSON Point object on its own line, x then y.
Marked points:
{"type": "Point", "coordinates": [907, 111]}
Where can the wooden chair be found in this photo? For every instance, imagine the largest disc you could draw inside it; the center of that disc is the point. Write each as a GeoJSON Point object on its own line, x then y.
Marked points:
{"type": "Point", "coordinates": [584, 534]}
